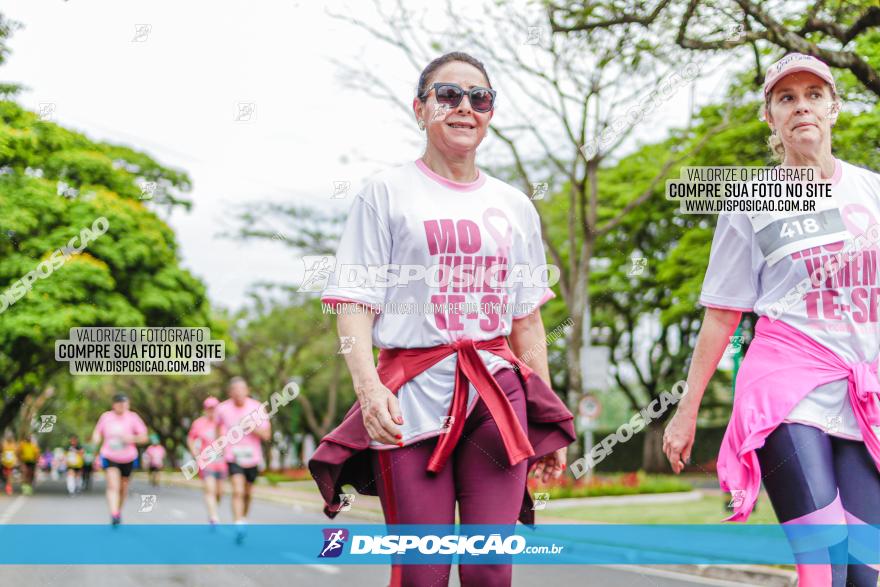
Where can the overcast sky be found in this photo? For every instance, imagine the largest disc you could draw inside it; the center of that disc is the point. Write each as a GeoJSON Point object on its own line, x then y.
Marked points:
{"type": "Point", "coordinates": [171, 89]}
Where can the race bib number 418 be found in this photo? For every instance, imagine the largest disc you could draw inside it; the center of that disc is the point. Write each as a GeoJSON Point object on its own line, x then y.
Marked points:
{"type": "Point", "coordinates": [780, 236]}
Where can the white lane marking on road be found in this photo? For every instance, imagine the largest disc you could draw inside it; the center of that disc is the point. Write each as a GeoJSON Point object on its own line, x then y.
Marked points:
{"type": "Point", "coordinates": [328, 569]}
{"type": "Point", "coordinates": [13, 508]}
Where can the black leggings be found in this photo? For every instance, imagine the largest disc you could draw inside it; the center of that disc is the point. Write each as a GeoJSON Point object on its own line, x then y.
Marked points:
{"type": "Point", "coordinates": [812, 477]}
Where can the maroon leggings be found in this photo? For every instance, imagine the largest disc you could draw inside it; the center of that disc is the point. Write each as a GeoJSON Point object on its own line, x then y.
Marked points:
{"type": "Point", "coordinates": [478, 476]}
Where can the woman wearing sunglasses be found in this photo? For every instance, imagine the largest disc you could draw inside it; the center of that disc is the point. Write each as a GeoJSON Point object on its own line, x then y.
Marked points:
{"type": "Point", "coordinates": [451, 414]}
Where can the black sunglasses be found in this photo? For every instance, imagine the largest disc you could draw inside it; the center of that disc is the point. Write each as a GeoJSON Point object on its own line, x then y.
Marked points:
{"type": "Point", "coordinates": [481, 99]}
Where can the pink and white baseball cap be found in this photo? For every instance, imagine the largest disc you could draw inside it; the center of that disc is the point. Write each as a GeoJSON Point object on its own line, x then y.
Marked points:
{"type": "Point", "coordinates": [210, 402]}
{"type": "Point", "coordinates": [793, 63]}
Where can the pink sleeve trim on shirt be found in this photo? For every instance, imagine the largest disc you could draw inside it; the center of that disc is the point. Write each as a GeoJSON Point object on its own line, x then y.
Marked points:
{"type": "Point", "coordinates": [548, 295]}
{"type": "Point", "coordinates": [720, 307]}
{"type": "Point", "coordinates": [334, 302]}
{"type": "Point", "coordinates": [838, 171]}
{"type": "Point", "coordinates": [453, 185]}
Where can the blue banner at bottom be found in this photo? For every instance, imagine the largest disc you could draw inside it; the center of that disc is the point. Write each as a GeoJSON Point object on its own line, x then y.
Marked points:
{"type": "Point", "coordinates": [556, 544]}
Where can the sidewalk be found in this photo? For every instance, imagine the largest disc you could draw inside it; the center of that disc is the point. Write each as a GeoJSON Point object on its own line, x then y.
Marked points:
{"type": "Point", "coordinates": [367, 509]}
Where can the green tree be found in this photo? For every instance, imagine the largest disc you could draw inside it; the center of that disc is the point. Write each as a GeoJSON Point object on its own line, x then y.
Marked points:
{"type": "Point", "coordinates": [54, 183]}
{"type": "Point", "coordinates": [843, 33]}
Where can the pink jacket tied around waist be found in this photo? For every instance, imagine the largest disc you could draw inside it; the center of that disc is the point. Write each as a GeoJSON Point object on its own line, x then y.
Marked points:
{"type": "Point", "coordinates": [781, 367]}
{"type": "Point", "coordinates": [342, 456]}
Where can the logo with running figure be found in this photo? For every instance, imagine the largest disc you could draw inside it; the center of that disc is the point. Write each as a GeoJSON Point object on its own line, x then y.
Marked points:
{"type": "Point", "coordinates": [245, 112]}
{"type": "Point", "coordinates": [340, 189]}
{"type": "Point", "coordinates": [319, 268]}
{"type": "Point", "coordinates": [334, 540]}
{"type": "Point", "coordinates": [737, 497]}
{"type": "Point", "coordinates": [735, 31]}
{"type": "Point", "coordinates": [541, 500]}
{"type": "Point", "coordinates": [345, 501]}
{"type": "Point", "coordinates": [441, 111]}
{"type": "Point", "coordinates": [46, 111]}
{"type": "Point", "coordinates": [141, 33]}
{"type": "Point", "coordinates": [833, 423]}
{"type": "Point", "coordinates": [638, 266]}
{"type": "Point", "coordinates": [535, 35]}
{"type": "Point", "coordinates": [735, 346]}
{"type": "Point", "coordinates": [148, 188]}
{"type": "Point", "coordinates": [148, 502]}
{"type": "Point", "coordinates": [47, 423]}
{"type": "Point", "coordinates": [446, 423]}
{"type": "Point", "coordinates": [346, 344]}
{"type": "Point", "coordinates": [539, 190]}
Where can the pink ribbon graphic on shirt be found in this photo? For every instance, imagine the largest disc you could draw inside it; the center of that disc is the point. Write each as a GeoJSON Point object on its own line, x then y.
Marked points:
{"type": "Point", "coordinates": [850, 212]}
{"type": "Point", "coordinates": [504, 241]}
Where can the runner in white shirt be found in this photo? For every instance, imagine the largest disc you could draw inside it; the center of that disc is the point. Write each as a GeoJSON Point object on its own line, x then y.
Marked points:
{"type": "Point", "coordinates": [435, 223]}
{"type": "Point", "coordinates": [793, 422]}
{"type": "Point", "coordinates": [466, 268]}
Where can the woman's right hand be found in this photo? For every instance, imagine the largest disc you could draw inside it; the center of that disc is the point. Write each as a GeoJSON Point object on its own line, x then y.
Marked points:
{"type": "Point", "coordinates": [381, 412]}
{"type": "Point", "coordinates": [678, 439]}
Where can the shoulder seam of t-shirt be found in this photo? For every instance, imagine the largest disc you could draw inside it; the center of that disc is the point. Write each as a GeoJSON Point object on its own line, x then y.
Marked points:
{"type": "Point", "coordinates": [373, 208]}
{"type": "Point", "coordinates": [745, 233]}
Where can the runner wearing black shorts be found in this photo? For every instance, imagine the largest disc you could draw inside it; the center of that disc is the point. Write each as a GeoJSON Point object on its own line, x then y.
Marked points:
{"type": "Point", "coordinates": [124, 468]}
{"type": "Point", "coordinates": [243, 452]}
{"type": "Point", "coordinates": [118, 432]}
{"type": "Point", "coordinates": [250, 473]}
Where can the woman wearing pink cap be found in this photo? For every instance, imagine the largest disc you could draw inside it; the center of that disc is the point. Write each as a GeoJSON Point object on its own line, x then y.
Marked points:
{"type": "Point", "coordinates": [806, 401]}
{"type": "Point", "coordinates": [451, 414]}
{"type": "Point", "coordinates": [201, 434]}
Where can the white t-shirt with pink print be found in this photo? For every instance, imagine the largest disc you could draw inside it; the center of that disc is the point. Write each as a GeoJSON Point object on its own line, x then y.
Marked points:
{"type": "Point", "coordinates": [841, 312]}
{"type": "Point", "coordinates": [411, 216]}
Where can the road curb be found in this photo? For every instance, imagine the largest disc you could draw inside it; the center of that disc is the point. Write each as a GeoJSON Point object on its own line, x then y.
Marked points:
{"type": "Point", "coordinates": [367, 509]}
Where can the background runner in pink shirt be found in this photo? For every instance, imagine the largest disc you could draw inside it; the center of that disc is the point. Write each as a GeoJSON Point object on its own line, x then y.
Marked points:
{"type": "Point", "coordinates": [155, 455]}
{"type": "Point", "coordinates": [155, 459]}
{"type": "Point", "coordinates": [118, 431]}
{"type": "Point", "coordinates": [247, 452]}
{"type": "Point", "coordinates": [244, 422]}
{"type": "Point", "coordinates": [202, 433]}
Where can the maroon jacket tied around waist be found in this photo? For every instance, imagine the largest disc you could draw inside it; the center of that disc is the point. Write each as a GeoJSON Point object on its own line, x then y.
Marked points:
{"type": "Point", "coordinates": [343, 457]}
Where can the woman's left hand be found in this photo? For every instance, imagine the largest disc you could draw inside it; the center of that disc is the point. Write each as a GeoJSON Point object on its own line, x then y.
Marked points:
{"type": "Point", "coordinates": [549, 466]}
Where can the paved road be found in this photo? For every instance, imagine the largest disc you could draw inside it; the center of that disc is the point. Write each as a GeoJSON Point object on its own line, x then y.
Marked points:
{"type": "Point", "coordinates": [178, 505]}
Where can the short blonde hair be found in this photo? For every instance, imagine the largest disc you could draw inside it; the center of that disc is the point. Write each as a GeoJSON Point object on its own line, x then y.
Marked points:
{"type": "Point", "coordinates": [774, 141]}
